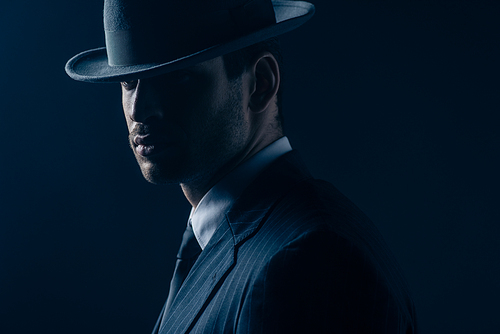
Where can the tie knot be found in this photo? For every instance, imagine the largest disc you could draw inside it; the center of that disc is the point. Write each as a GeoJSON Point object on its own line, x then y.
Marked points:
{"type": "Point", "coordinates": [189, 246]}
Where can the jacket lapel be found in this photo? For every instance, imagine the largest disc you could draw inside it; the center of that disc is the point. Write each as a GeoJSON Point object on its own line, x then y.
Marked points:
{"type": "Point", "coordinates": [219, 256]}
{"type": "Point", "coordinates": [203, 279]}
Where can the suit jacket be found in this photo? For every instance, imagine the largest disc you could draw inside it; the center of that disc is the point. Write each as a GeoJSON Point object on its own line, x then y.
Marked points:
{"type": "Point", "coordinates": [293, 255]}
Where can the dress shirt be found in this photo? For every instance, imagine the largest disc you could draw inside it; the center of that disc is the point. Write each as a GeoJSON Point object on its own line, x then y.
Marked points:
{"type": "Point", "coordinates": [218, 200]}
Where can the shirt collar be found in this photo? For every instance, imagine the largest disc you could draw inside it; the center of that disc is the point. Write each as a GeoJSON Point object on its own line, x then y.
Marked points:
{"type": "Point", "coordinates": [218, 200]}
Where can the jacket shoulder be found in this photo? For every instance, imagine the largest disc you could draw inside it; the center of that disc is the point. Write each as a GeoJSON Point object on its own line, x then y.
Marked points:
{"type": "Point", "coordinates": [328, 244]}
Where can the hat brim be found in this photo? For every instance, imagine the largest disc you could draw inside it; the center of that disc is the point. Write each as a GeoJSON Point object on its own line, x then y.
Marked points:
{"type": "Point", "coordinates": [92, 65]}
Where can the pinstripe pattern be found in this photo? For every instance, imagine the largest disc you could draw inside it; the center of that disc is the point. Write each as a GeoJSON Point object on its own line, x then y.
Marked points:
{"type": "Point", "coordinates": [293, 256]}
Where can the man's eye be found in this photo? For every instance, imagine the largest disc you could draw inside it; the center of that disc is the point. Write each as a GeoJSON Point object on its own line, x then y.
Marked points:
{"type": "Point", "coordinates": [129, 84]}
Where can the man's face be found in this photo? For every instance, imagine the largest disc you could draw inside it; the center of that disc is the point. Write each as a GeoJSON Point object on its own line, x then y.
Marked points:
{"type": "Point", "coordinates": [183, 126]}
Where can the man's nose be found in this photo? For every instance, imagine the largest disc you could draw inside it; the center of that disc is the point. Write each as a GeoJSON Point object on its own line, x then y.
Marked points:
{"type": "Point", "coordinates": [144, 105]}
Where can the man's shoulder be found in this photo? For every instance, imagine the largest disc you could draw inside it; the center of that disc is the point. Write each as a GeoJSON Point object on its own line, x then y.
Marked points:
{"type": "Point", "coordinates": [312, 215]}
{"type": "Point", "coordinates": [291, 200]}
{"type": "Point", "coordinates": [316, 213]}
{"type": "Point", "coordinates": [286, 204]}
{"type": "Point", "coordinates": [317, 205]}
{"type": "Point", "coordinates": [317, 243]}
{"type": "Point", "coordinates": [294, 233]}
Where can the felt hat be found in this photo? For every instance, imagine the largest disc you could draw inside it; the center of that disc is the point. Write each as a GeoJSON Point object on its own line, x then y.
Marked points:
{"type": "Point", "coordinates": [145, 38]}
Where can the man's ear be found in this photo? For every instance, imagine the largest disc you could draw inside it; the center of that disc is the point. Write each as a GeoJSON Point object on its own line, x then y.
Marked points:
{"type": "Point", "coordinates": [266, 81]}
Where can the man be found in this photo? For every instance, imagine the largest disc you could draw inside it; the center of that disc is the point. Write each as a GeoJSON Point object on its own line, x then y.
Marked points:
{"type": "Point", "coordinates": [267, 249]}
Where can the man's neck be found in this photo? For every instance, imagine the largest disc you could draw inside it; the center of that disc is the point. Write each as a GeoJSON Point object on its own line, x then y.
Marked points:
{"type": "Point", "coordinates": [194, 191]}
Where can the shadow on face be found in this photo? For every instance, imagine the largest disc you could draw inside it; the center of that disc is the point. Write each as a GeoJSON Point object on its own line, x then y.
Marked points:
{"type": "Point", "coordinates": [186, 124]}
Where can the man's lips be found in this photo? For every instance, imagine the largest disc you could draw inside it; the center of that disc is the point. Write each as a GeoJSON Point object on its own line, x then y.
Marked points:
{"type": "Point", "coordinates": [149, 145]}
{"type": "Point", "coordinates": [145, 140]}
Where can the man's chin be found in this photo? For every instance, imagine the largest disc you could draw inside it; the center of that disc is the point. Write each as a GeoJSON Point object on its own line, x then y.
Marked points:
{"type": "Point", "coordinates": [159, 176]}
{"type": "Point", "coordinates": [158, 171]}
{"type": "Point", "coordinates": [162, 176]}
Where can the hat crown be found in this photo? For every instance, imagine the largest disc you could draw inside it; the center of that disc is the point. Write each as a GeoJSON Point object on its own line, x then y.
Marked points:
{"type": "Point", "coordinates": [152, 31]}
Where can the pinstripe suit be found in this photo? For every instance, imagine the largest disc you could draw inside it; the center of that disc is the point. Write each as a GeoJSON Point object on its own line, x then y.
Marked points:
{"type": "Point", "coordinates": [293, 255]}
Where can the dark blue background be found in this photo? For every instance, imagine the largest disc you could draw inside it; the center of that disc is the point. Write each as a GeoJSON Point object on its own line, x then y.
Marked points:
{"type": "Point", "coordinates": [395, 102]}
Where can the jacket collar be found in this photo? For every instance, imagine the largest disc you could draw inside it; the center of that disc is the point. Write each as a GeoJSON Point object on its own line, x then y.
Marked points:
{"type": "Point", "coordinates": [256, 201]}
{"type": "Point", "coordinates": [213, 207]}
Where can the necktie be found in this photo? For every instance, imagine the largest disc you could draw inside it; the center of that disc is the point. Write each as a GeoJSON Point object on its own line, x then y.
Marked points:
{"type": "Point", "coordinates": [186, 257]}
